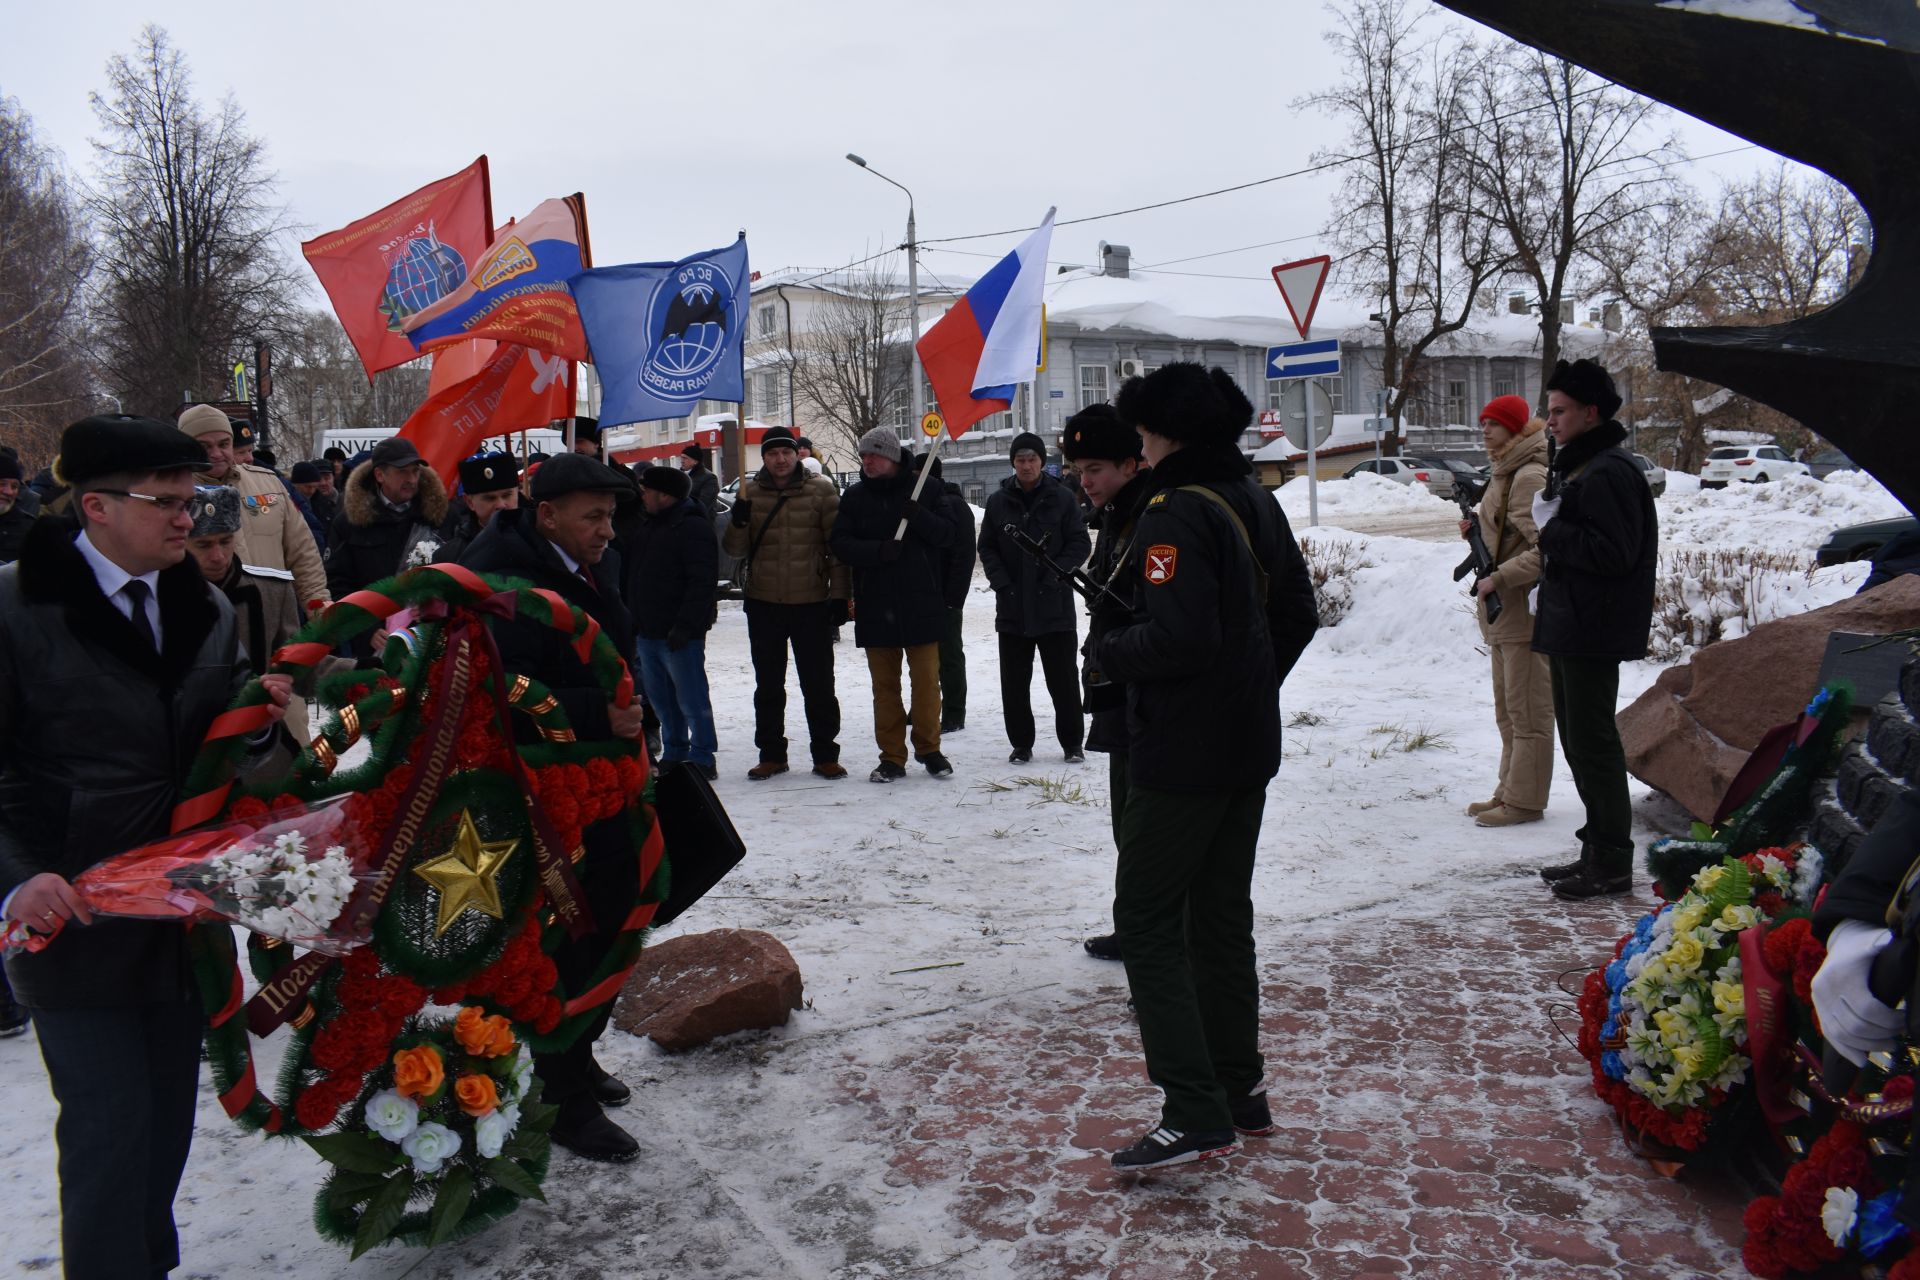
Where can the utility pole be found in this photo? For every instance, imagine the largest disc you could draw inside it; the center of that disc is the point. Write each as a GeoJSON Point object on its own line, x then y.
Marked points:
{"type": "Point", "coordinates": [913, 295]}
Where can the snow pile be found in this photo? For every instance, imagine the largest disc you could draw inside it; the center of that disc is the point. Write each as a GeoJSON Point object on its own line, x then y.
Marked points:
{"type": "Point", "coordinates": [1398, 595]}
{"type": "Point", "coordinates": [1364, 493]}
{"type": "Point", "coordinates": [1794, 514]}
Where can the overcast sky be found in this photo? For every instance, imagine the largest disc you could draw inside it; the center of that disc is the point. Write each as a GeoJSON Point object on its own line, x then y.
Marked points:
{"type": "Point", "coordinates": [684, 123]}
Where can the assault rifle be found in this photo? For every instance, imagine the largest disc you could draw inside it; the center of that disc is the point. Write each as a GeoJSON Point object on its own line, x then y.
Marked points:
{"type": "Point", "coordinates": [1479, 561]}
{"type": "Point", "coordinates": [1096, 594]}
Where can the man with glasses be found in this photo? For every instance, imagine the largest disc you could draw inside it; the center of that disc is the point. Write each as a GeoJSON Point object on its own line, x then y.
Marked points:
{"type": "Point", "coordinates": [274, 533]}
{"type": "Point", "coordinates": [115, 657]}
{"type": "Point", "coordinates": [15, 517]}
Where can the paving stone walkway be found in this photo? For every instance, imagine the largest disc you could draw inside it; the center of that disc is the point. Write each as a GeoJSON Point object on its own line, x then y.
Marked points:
{"type": "Point", "coordinates": [1433, 1123]}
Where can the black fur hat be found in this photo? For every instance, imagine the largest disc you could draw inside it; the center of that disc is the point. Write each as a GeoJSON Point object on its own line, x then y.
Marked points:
{"type": "Point", "coordinates": [1097, 432]}
{"type": "Point", "coordinates": [668, 480]}
{"type": "Point", "coordinates": [1587, 382]}
{"type": "Point", "coordinates": [1186, 402]}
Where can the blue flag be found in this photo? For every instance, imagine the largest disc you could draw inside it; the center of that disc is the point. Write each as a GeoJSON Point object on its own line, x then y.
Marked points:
{"type": "Point", "coordinates": [666, 335]}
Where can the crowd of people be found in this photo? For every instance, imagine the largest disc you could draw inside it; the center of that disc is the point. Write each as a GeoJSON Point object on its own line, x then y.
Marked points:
{"type": "Point", "coordinates": [163, 562]}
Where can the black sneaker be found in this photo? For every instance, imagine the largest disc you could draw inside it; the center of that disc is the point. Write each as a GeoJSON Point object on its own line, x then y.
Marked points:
{"type": "Point", "coordinates": [937, 765]}
{"type": "Point", "coordinates": [887, 771]}
{"type": "Point", "coordinates": [583, 1128]}
{"type": "Point", "coordinates": [1076, 756]}
{"type": "Point", "coordinates": [1170, 1146]}
{"type": "Point", "coordinates": [1563, 870]}
{"type": "Point", "coordinates": [1251, 1115]}
{"type": "Point", "coordinates": [1592, 884]}
{"type": "Point", "coordinates": [1021, 755]}
{"type": "Point", "coordinates": [953, 725]}
{"type": "Point", "coordinates": [1104, 947]}
{"type": "Point", "coordinates": [13, 1020]}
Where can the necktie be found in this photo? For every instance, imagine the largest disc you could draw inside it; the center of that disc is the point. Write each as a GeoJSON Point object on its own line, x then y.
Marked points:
{"type": "Point", "coordinates": [136, 593]}
{"type": "Point", "coordinates": [587, 577]}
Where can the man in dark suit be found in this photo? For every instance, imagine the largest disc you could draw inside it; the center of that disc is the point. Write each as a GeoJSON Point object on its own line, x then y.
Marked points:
{"type": "Point", "coordinates": [561, 540]}
{"type": "Point", "coordinates": [115, 657]}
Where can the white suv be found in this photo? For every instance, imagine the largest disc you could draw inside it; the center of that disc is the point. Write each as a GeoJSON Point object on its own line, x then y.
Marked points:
{"type": "Point", "coordinates": [1748, 462]}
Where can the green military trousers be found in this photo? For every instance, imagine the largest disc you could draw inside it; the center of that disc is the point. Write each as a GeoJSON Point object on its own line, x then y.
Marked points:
{"type": "Point", "coordinates": [1183, 910]}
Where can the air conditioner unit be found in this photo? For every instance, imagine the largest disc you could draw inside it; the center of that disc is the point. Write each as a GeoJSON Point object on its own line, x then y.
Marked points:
{"type": "Point", "coordinates": [1129, 369]}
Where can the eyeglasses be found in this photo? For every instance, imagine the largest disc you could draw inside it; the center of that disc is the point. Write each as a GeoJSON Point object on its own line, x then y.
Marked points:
{"type": "Point", "coordinates": [169, 506]}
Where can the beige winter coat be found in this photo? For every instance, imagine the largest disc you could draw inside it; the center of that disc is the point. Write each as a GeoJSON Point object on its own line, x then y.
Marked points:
{"type": "Point", "coordinates": [793, 564]}
{"type": "Point", "coordinates": [1506, 522]}
{"type": "Point", "coordinates": [273, 533]}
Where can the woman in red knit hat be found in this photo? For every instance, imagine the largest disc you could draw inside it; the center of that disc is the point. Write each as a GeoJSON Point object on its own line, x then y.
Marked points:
{"type": "Point", "coordinates": [1522, 688]}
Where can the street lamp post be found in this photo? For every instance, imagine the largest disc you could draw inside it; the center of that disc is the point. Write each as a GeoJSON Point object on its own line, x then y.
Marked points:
{"type": "Point", "coordinates": [913, 295]}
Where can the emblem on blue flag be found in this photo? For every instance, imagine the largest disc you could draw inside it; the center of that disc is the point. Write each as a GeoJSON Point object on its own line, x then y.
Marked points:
{"type": "Point", "coordinates": [666, 335]}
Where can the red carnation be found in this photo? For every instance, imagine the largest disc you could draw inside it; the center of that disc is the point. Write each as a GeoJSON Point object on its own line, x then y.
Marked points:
{"type": "Point", "coordinates": [1782, 946]}
{"type": "Point", "coordinates": [315, 1110]}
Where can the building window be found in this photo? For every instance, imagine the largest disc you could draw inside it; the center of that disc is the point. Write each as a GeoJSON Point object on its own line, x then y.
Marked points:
{"type": "Point", "coordinates": [1093, 384]}
{"type": "Point", "coordinates": [1336, 393]}
{"type": "Point", "coordinates": [767, 321]}
{"type": "Point", "coordinates": [1456, 402]}
{"type": "Point", "coordinates": [1503, 384]}
{"type": "Point", "coordinates": [1276, 387]}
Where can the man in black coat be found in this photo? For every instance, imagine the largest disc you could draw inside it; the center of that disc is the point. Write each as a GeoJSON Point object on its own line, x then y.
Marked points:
{"type": "Point", "coordinates": [115, 657]}
{"type": "Point", "coordinates": [16, 517]}
{"type": "Point", "coordinates": [392, 508]}
{"type": "Point", "coordinates": [959, 583]}
{"type": "Point", "coordinates": [562, 541]}
{"type": "Point", "coordinates": [673, 571]}
{"type": "Point", "coordinates": [899, 600]}
{"type": "Point", "coordinates": [489, 482]}
{"type": "Point", "coordinates": [1223, 609]}
{"type": "Point", "coordinates": [1116, 481]}
{"type": "Point", "coordinates": [1599, 546]}
{"type": "Point", "coordinates": [702, 485]}
{"type": "Point", "coordinates": [1033, 608]}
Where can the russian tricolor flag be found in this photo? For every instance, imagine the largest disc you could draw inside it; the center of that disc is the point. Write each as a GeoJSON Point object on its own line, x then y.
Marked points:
{"type": "Point", "coordinates": [989, 342]}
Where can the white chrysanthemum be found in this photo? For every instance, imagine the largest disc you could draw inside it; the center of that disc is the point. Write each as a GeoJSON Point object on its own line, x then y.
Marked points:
{"type": "Point", "coordinates": [1838, 1214]}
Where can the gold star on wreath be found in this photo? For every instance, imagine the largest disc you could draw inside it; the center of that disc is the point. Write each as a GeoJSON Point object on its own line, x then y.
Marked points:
{"type": "Point", "coordinates": [467, 875]}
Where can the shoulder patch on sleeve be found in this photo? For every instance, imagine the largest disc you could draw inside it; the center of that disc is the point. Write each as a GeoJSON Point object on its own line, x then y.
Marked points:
{"type": "Point", "coordinates": [1157, 500]}
{"type": "Point", "coordinates": [1162, 559]}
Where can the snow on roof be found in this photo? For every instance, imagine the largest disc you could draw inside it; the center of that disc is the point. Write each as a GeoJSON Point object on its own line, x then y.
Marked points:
{"type": "Point", "coordinates": [1348, 429]}
{"type": "Point", "coordinates": [1779, 13]}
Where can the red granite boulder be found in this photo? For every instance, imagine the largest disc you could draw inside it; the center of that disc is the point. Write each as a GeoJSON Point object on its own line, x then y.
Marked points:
{"type": "Point", "coordinates": [698, 987]}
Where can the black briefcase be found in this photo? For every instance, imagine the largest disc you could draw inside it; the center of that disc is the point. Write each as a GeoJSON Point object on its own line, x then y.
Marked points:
{"type": "Point", "coordinates": [702, 845]}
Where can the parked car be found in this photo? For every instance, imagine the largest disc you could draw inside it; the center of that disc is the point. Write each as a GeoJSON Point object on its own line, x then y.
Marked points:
{"type": "Point", "coordinates": [1656, 474]}
{"type": "Point", "coordinates": [1863, 541]}
{"type": "Point", "coordinates": [1749, 463]}
{"type": "Point", "coordinates": [729, 565]}
{"type": "Point", "coordinates": [1472, 478]}
{"type": "Point", "coordinates": [1437, 479]}
{"type": "Point", "coordinates": [1828, 461]}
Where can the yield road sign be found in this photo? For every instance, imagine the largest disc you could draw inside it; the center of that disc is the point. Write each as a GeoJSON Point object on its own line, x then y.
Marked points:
{"type": "Point", "coordinates": [1300, 284]}
{"type": "Point", "coordinates": [1304, 359]}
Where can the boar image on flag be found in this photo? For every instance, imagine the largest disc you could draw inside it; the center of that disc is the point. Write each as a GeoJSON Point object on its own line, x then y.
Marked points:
{"type": "Point", "coordinates": [517, 290]}
{"type": "Point", "coordinates": [989, 342]}
{"type": "Point", "coordinates": [666, 335]}
{"type": "Point", "coordinates": [382, 270]}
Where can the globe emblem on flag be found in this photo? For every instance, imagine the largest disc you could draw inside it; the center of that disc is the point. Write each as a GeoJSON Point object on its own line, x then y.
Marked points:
{"type": "Point", "coordinates": [691, 317]}
{"type": "Point", "coordinates": [425, 270]}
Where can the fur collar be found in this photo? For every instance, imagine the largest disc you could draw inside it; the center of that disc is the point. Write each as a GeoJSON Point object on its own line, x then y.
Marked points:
{"type": "Point", "coordinates": [360, 499]}
{"type": "Point", "coordinates": [1589, 445]}
{"type": "Point", "coordinates": [52, 571]}
{"type": "Point", "coordinates": [1528, 447]}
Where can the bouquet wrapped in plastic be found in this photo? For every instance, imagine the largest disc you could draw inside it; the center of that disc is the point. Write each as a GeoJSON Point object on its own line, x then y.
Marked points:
{"type": "Point", "coordinates": [286, 874]}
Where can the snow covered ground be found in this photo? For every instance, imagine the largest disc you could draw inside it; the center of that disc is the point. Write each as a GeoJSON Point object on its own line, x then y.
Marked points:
{"type": "Point", "coordinates": [755, 1163]}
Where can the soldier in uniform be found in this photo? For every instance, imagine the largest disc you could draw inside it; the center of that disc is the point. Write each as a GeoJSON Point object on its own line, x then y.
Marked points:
{"type": "Point", "coordinates": [1116, 481]}
{"type": "Point", "coordinates": [273, 534]}
{"type": "Point", "coordinates": [489, 482]}
{"type": "Point", "coordinates": [1223, 608]}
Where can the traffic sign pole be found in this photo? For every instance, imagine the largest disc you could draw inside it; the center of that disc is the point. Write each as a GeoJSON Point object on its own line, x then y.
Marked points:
{"type": "Point", "coordinates": [1313, 465]}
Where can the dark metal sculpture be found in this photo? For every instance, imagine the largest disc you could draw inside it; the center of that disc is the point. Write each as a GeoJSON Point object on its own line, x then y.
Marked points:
{"type": "Point", "coordinates": [1841, 92]}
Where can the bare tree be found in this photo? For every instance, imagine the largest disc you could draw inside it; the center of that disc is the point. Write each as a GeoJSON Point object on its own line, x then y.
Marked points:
{"type": "Point", "coordinates": [44, 261]}
{"type": "Point", "coordinates": [1795, 246]}
{"type": "Point", "coordinates": [190, 270]}
{"type": "Point", "coordinates": [1563, 161]}
{"type": "Point", "coordinates": [849, 366]}
{"type": "Point", "coordinates": [1406, 230]}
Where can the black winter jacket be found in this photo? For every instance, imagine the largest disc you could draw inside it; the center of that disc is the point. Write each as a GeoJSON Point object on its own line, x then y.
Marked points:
{"type": "Point", "coordinates": [1204, 656]}
{"type": "Point", "coordinates": [1598, 555]}
{"type": "Point", "coordinates": [704, 489]}
{"type": "Point", "coordinates": [673, 566]}
{"type": "Point", "coordinates": [13, 530]}
{"type": "Point", "coordinates": [1106, 698]}
{"type": "Point", "coordinates": [1028, 599]}
{"type": "Point", "coordinates": [97, 732]}
{"type": "Point", "coordinates": [899, 595]}
{"type": "Point", "coordinates": [512, 547]}
{"type": "Point", "coordinates": [959, 564]}
{"type": "Point", "coordinates": [369, 540]}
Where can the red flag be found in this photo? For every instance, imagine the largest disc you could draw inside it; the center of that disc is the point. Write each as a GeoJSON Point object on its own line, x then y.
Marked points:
{"type": "Point", "coordinates": [513, 388]}
{"type": "Point", "coordinates": [390, 265]}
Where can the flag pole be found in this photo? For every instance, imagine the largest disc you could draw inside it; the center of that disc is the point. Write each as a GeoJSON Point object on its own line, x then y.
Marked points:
{"type": "Point", "coordinates": [921, 483]}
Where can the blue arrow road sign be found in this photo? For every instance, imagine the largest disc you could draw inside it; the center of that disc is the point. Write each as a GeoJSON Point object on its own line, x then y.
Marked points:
{"type": "Point", "coordinates": [1316, 359]}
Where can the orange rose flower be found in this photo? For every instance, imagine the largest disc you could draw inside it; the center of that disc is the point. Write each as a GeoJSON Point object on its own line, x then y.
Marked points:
{"type": "Point", "coordinates": [418, 1072]}
{"type": "Point", "coordinates": [483, 1035]}
{"type": "Point", "coordinates": [476, 1095]}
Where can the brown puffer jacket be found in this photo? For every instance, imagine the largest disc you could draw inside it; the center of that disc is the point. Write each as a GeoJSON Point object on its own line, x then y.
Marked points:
{"type": "Point", "coordinates": [793, 564]}
{"type": "Point", "coordinates": [1506, 522]}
